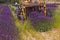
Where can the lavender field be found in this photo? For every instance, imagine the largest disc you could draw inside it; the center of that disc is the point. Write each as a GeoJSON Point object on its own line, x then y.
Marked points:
{"type": "Point", "coordinates": [39, 27]}
{"type": "Point", "coordinates": [8, 30]}
{"type": "Point", "coordinates": [28, 32]}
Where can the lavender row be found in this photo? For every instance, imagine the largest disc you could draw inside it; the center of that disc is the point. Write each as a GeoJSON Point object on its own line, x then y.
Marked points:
{"type": "Point", "coordinates": [7, 26]}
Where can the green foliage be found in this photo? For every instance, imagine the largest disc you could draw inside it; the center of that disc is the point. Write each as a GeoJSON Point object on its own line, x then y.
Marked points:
{"type": "Point", "coordinates": [9, 1]}
{"type": "Point", "coordinates": [13, 8]}
{"type": "Point", "coordinates": [1, 2]}
{"type": "Point", "coordinates": [56, 17]}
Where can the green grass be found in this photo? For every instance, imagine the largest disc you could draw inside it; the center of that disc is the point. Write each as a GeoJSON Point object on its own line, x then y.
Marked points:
{"type": "Point", "coordinates": [56, 17]}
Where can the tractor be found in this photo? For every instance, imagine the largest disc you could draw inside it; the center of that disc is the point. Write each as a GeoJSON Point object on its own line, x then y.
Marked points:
{"type": "Point", "coordinates": [29, 6]}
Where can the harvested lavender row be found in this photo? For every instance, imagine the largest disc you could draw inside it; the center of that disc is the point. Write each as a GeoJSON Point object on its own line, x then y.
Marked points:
{"type": "Point", "coordinates": [8, 30]}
